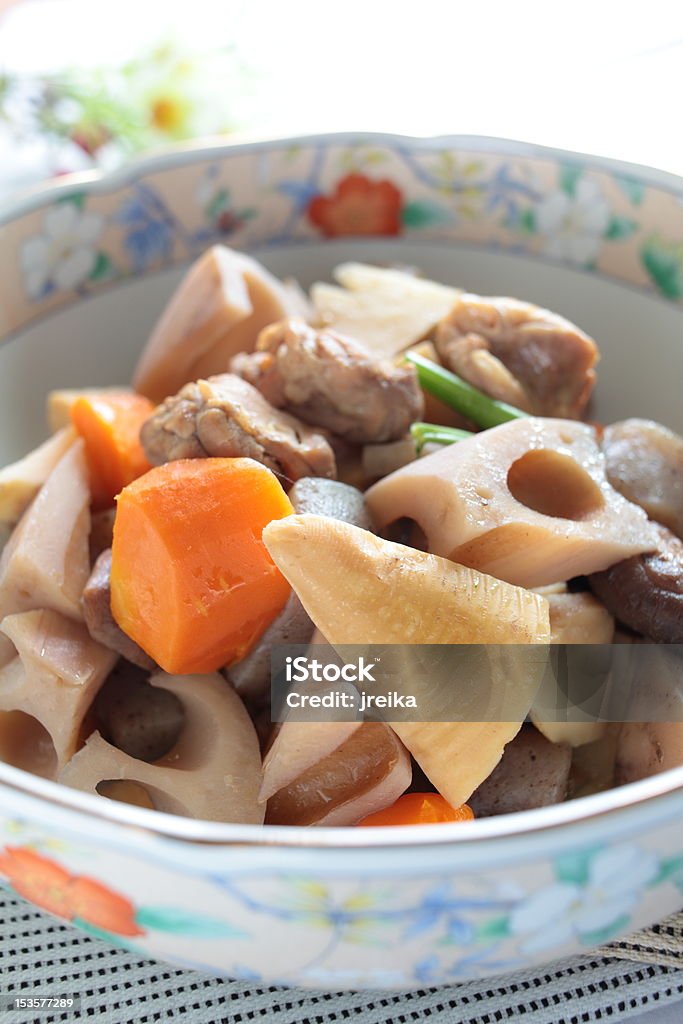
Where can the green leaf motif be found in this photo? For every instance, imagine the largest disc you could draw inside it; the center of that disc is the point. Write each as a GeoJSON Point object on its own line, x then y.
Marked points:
{"type": "Point", "coordinates": [574, 867]}
{"type": "Point", "coordinates": [219, 203]}
{"type": "Point", "coordinates": [424, 213]}
{"type": "Point", "coordinates": [664, 264]}
{"type": "Point", "coordinates": [103, 267]}
{"type": "Point", "coordinates": [75, 198]}
{"type": "Point", "coordinates": [527, 221]}
{"type": "Point", "coordinates": [620, 227]}
{"type": "Point", "coordinates": [100, 933]}
{"type": "Point", "coordinates": [569, 176]}
{"type": "Point", "coordinates": [669, 870]}
{"type": "Point", "coordinates": [601, 935]}
{"type": "Point", "coordinates": [177, 921]}
{"type": "Point", "coordinates": [495, 928]}
{"type": "Point", "coordinates": [633, 189]}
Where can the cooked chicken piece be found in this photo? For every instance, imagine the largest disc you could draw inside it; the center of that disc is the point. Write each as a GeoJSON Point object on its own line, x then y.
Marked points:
{"type": "Point", "coordinates": [533, 772]}
{"type": "Point", "coordinates": [99, 619]}
{"type": "Point", "coordinates": [519, 353]}
{"type": "Point", "coordinates": [645, 463]}
{"type": "Point", "coordinates": [646, 591]}
{"type": "Point", "coordinates": [330, 380]}
{"type": "Point", "coordinates": [225, 416]}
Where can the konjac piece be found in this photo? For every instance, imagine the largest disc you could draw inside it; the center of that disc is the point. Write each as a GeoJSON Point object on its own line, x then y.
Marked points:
{"type": "Point", "coordinates": [217, 310]}
{"type": "Point", "coordinates": [141, 720]}
{"type": "Point", "coordinates": [527, 502]}
{"type": "Point", "coordinates": [519, 353]}
{"type": "Point", "coordinates": [645, 464]}
{"type": "Point", "coordinates": [45, 563]}
{"type": "Point", "coordinates": [533, 772]}
{"type": "Point", "coordinates": [364, 774]}
{"type": "Point", "coordinates": [648, 748]}
{"type": "Point", "coordinates": [360, 589]}
{"type": "Point", "coordinates": [55, 676]}
{"type": "Point", "coordinates": [213, 772]}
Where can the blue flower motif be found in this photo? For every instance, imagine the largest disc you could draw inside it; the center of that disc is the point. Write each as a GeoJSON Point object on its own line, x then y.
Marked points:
{"type": "Point", "coordinates": [427, 971]}
{"type": "Point", "coordinates": [149, 228]}
{"type": "Point", "coordinates": [300, 192]}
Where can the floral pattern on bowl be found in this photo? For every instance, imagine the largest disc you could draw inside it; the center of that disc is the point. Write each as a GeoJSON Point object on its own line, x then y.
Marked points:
{"type": "Point", "coordinates": [564, 209]}
{"type": "Point", "coordinates": [338, 931]}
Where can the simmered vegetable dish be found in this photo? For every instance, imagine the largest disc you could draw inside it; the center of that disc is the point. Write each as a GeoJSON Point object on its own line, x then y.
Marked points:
{"type": "Point", "coordinates": [386, 460]}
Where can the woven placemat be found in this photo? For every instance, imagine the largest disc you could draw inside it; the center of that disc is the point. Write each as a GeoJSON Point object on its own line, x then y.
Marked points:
{"type": "Point", "coordinates": [38, 954]}
{"type": "Point", "coordinates": [661, 944]}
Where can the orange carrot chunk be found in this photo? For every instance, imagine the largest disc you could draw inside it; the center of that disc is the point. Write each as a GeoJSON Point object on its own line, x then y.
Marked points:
{"type": "Point", "coordinates": [110, 427]}
{"type": "Point", "coordinates": [419, 809]}
{"type": "Point", "coordinates": [191, 580]}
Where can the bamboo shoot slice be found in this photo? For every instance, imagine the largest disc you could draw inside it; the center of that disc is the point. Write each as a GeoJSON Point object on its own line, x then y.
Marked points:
{"type": "Point", "coordinates": [384, 309]}
{"type": "Point", "coordinates": [360, 589]}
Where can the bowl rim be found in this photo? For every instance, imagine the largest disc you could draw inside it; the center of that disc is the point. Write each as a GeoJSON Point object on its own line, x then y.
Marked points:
{"type": "Point", "coordinates": [39, 195]}
{"type": "Point", "coordinates": [81, 807]}
{"type": "Point", "coordinates": [87, 812]}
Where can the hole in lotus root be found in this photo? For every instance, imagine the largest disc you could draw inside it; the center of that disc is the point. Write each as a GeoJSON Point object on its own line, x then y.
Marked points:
{"type": "Point", "coordinates": [141, 720]}
{"type": "Point", "coordinates": [26, 744]}
{"type": "Point", "coordinates": [125, 791]}
{"type": "Point", "coordinates": [554, 485]}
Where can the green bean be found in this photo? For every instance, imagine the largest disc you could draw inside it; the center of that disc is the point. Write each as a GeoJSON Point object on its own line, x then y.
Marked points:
{"type": "Point", "coordinates": [434, 433]}
{"type": "Point", "coordinates": [461, 396]}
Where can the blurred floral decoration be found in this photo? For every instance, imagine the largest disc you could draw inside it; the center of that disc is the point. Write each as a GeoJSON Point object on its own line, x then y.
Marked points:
{"type": "Point", "coordinates": [101, 116]}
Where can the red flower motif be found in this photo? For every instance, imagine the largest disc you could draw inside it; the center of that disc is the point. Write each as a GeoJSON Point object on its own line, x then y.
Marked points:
{"type": "Point", "coordinates": [358, 206]}
{"type": "Point", "coordinates": [102, 907]}
{"type": "Point", "coordinates": [36, 878]}
{"type": "Point", "coordinates": [50, 886]}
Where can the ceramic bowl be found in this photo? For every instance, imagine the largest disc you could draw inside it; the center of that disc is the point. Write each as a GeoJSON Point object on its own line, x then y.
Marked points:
{"type": "Point", "coordinates": [86, 267]}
